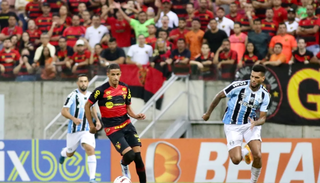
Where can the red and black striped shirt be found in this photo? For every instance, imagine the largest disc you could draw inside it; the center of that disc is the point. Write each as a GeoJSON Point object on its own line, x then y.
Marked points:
{"type": "Point", "coordinates": [260, 12]}
{"type": "Point", "coordinates": [34, 34]}
{"type": "Point", "coordinates": [33, 10]}
{"type": "Point", "coordinates": [23, 70]}
{"type": "Point", "coordinates": [287, 3]}
{"type": "Point", "coordinates": [11, 55]}
{"type": "Point", "coordinates": [204, 18]}
{"type": "Point", "coordinates": [57, 32]}
{"type": "Point", "coordinates": [298, 58]}
{"type": "Point", "coordinates": [309, 23]}
{"type": "Point", "coordinates": [112, 103]}
{"type": "Point", "coordinates": [269, 27]}
{"type": "Point", "coordinates": [55, 5]}
{"type": "Point", "coordinates": [63, 54]}
{"type": "Point", "coordinates": [244, 21]}
{"type": "Point", "coordinates": [72, 34]}
{"type": "Point", "coordinates": [179, 7]}
{"type": "Point", "coordinates": [247, 60]}
{"type": "Point", "coordinates": [73, 5]}
{"type": "Point", "coordinates": [227, 70]}
{"type": "Point", "coordinates": [43, 23]}
{"type": "Point", "coordinates": [81, 57]}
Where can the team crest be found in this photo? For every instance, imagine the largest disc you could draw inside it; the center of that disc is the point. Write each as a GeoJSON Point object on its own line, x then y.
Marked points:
{"type": "Point", "coordinates": [107, 130]}
{"type": "Point", "coordinates": [76, 58]}
{"type": "Point", "coordinates": [263, 25]}
{"type": "Point", "coordinates": [124, 89]}
{"type": "Point", "coordinates": [272, 26]}
{"type": "Point", "coordinates": [58, 3]}
{"type": "Point", "coordinates": [311, 22]}
{"type": "Point", "coordinates": [31, 7]}
{"type": "Point", "coordinates": [3, 57]}
{"type": "Point", "coordinates": [223, 26]}
{"type": "Point", "coordinates": [108, 92]}
{"type": "Point", "coordinates": [279, 14]}
{"type": "Point", "coordinates": [142, 75]}
{"type": "Point", "coordinates": [271, 84]}
{"type": "Point", "coordinates": [306, 58]}
{"type": "Point", "coordinates": [118, 145]}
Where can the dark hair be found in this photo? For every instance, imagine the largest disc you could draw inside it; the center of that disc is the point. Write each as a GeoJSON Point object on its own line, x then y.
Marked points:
{"type": "Point", "coordinates": [98, 44]}
{"type": "Point", "coordinates": [21, 47]}
{"type": "Point", "coordinates": [112, 39]}
{"type": "Point", "coordinates": [62, 38]}
{"type": "Point", "coordinates": [182, 19]}
{"type": "Point", "coordinates": [196, 19]}
{"type": "Point", "coordinates": [282, 23]}
{"type": "Point", "coordinates": [247, 52]}
{"type": "Point", "coordinates": [226, 40]}
{"type": "Point", "coordinates": [256, 20]}
{"type": "Point", "coordinates": [42, 59]}
{"type": "Point", "coordinates": [190, 4]}
{"type": "Point", "coordinates": [212, 19]}
{"type": "Point", "coordinates": [300, 38]}
{"type": "Point", "coordinates": [9, 38]}
{"type": "Point", "coordinates": [55, 15]}
{"type": "Point", "coordinates": [269, 9]}
{"type": "Point", "coordinates": [234, 4]}
{"type": "Point", "coordinates": [259, 68]}
{"type": "Point", "coordinates": [141, 12]}
{"type": "Point", "coordinates": [279, 44]}
{"type": "Point", "coordinates": [112, 66]}
{"type": "Point", "coordinates": [181, 39]}
{"type": "Point", "coordinates": [83, 75]}
{"type": "Point", "coordinates": [237, 23]}
{"type": "Point", "coordinates": [76, 15]}
{"type": "Point", "coordinates": [95, 15]}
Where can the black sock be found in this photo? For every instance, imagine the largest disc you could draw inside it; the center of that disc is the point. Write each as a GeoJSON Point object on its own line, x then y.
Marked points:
{"type": "Point", "coordinates": [140, 168]}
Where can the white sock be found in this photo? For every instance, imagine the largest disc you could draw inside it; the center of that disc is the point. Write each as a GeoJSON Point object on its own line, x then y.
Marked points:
{"type": "Point", "coordinates": [244, 152]}
{"type": "Point", "coordinates": [92, 164]}
{"type": "Point", "coordinates": [64, 152]}
{"type": "Point", "coordinates": [255, 172]}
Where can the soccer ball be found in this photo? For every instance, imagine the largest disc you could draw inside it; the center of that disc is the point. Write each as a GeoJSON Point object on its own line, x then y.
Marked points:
{"type": "Point", "coordinates": [122, 179]}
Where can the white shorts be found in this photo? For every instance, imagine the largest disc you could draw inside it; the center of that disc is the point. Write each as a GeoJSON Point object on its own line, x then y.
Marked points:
{"type": "Point", "coordinates": [74, 139]}
{"type": "Point", "coordinates": [236, 133]}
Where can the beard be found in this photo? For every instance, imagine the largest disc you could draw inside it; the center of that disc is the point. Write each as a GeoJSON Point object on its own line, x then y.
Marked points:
{"type": "Point", "coordinates": [291, 18]}
{"type": "Point", "coordinates": [83, 89]}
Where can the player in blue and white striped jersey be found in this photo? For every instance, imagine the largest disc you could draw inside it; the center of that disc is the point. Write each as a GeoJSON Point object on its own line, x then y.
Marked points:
{"type": "Point", "coordinates": [78, 127]}
{"type": "Point", "coordinates": [246, 98]}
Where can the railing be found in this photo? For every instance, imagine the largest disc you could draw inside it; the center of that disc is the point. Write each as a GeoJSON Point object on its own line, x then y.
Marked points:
{"type": "Point", "coordinates": [56, 119]}
{"type": "Point", "coordinates": [157, 95]}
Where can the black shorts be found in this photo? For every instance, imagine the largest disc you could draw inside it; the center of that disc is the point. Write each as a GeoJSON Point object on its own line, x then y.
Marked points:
{"type": "Point", "coordinates": [126, 137]}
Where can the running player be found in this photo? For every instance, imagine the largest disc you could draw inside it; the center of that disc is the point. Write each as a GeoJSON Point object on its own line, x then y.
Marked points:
{"type": "Point", "coordinates": [246, 98]}
{"type": "Point", "coordinates": [78, 128]}
{"type": "Point", "coordinates": [114, 99]}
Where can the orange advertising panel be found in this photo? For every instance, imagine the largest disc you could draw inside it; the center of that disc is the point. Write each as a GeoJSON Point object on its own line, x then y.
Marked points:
{"type": "Point", "coordinates": [207, 160]}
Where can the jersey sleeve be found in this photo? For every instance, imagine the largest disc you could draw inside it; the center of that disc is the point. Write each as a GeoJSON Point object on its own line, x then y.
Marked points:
{"type": "Point", "coordinates": [70, 100]}
{"type": "Point", "coordinates": [128, 98]}
{"type": "Point", "coordinates": [265, 103]}
{"type": "Point", "coordinates": [233, 87]}
{"type": "Point", "coordinates": [95, 96]}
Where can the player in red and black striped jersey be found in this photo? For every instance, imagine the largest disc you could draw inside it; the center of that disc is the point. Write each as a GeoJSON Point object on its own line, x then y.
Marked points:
{"type": "Point", "coordinates": [45, 20]}
{"type": "Point", "coordinates": [302, 55]}
{"type": "Point", "coordinates": [56, 30]}
{"type": "Point", "coordinates": [33, 9]}
{"type": "Point", "coordinates": [8, 59]}
{"type": "Point", "coordinates": [268, 25]}
{"type": "Point", "coordinates": [179, 7]}
{"type": "Point", "coordinates": [74, 32]}
{"type": "Point", "coordinates": [114, 99]}
{"type": "Point", "coordinates": [80, 59]}
{"type": "Point", "coordinates": [204, 15]}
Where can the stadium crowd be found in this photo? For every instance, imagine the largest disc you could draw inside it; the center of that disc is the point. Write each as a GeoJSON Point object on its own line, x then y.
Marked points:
{"type": "Point", "coordinates": [59, 39]}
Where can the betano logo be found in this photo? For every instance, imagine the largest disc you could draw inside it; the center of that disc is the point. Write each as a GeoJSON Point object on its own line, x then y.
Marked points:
{"type": "Point", "coordinates": [293, 94]}
{"type": "Point", "coordinates": [35, 164]}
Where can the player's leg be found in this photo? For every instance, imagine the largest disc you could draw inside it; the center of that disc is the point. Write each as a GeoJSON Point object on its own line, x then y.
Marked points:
{"type": "Point", "coordinates": [253, 140]}
{"type": "Point", "coordinates": [73, 141]}
{"type": "Point", "coordinates": [121, 145]}
{"type": "Point", "coordinates": [88, 143]}
{"type": "Point", "coordinates": [134, 141]}
{"type": "Point", "coordinates": [234, 142]}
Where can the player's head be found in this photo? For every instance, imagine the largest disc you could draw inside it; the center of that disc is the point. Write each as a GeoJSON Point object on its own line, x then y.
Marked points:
{"type": "Point", "coordinates": [257, 76]}
{"type": "Point", "coordinates": [114, 74]}
{"type": "Point", "coordinates": [83, 82]}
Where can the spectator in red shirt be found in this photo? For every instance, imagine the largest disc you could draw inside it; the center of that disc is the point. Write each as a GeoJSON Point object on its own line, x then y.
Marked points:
{"type": "Point", "coordinates": [45, 20]}
{"type": "Point", "coordinates": [96, 62]}
{"type": "Point", "coordinates": [249, 57]}
{"type": "Point", "coordinates": [164, 35]}
{"type": "Point", "coordinates": [15, 44]}
{"type": "Point", "coordinates": [280, 14]}
{"type": "Point", "coordinates": [13, 29]}
{"type": "Point", "coordinates": [190, 16]}
{"type": "Point", "coordinates": [244, 20]}
{"type": "Point", "coordinates": [179, 7]}
{"type": "Point", "coordinates": [55, 5]}
{"type": "Point", "coordinates": [74, 32]}
{"type": "Point", "coordinates": [33, 32]}
{"type": "Point", "coordinates": [160, 53]}
{"type": "Point", "coordinates": [260, 7]}
{"type": "Point", "coordinates": [178, 33]}
{"type": "Point", "coordinates": [151, 39]}
{"type": "Point", "coordinates": [33, 9]}
{"type": "Point", "coordinates": [23, 68]}
{"type": "Point", "coordinates": [64, 18]}
{"type": "Point", "coordinates": [56, 30]}
{"type": "Point", "coordinates": [73, 5]}
{"type": "Point", "coordinates": [86, 20]}
{"type": "Point", "coordinates": [233, 15]}
{"type": "Point", "coordinates": [8, 59]}
{"type": "Point", "coordinates": [225, 59]}
{"type": "Point", "coordinates": [204, 15]}
{"type": "Point", "coordinates": [80, 59]}
{"type": "Point", "coordinates": [309, 30]}
{"type": "Point", "coordinates": [62, 58]}
{"type": "Point", "coordinates": [81, 7]}
{"type": "Point", "coordinates": [269, 25]}
{"type": "Point", "coordinates": [120, 30]}
{"type": "Point", "coordinates": [302, 55]}
{"type": "Point", "coordinates": [204, 61]}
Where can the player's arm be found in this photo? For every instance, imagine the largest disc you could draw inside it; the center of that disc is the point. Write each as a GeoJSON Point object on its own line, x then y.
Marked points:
{"type": "Point", "coordinates": [263, 112]}
{"type": "Point", "coordinates": [214, 104]}
{"type": "Point", "coordinates": [65, 110]}
{"type": "Point", "coordinates": [94, 97]}
{"type": "Point", "coordinates": [95, 116]}
{"type": "Point", "coordinates": [129, 109]}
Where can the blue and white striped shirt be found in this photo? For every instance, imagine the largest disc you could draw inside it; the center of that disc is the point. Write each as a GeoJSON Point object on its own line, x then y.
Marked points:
{"type": "Point", "coordinates": [76, 102]}
{"type": "Point", "coordinates": [244, 103]}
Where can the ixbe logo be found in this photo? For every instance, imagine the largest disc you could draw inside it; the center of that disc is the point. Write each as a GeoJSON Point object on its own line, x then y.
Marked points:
{"type": "Point", "coordinates": [38, 160]}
